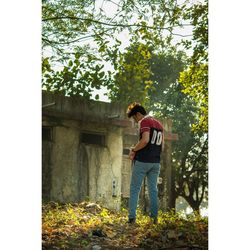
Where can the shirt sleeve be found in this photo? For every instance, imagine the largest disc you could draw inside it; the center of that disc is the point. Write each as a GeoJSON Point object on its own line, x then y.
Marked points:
{"type": "Point", "coordinates": [145, 126]}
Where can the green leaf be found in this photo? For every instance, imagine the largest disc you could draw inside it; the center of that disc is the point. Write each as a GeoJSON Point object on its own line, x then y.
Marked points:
{"type": "Point", "coordinates": [101, 74]}
{"type": "Point", "coordinates": [70, 63]}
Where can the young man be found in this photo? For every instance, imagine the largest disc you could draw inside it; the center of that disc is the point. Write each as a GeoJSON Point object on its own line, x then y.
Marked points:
{"type": "Point", "coordinates": [146, 159]}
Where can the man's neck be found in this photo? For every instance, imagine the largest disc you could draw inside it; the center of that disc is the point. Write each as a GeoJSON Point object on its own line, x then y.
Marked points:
{"type": "Point", "coordinates": [143, 117]}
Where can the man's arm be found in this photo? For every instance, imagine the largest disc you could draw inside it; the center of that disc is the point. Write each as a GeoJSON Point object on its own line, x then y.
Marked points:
{"type": "Point", "coordinates": [141, 144]}
{"type": "Point", "coordinates": [143, 141]}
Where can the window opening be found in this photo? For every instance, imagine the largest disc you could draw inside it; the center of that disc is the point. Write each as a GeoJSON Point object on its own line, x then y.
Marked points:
{"type": "Point", "coordinates": [92, 138]}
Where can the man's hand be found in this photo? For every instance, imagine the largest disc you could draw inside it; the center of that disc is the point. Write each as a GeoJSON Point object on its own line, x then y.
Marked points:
{"type": "Point", "coordinates": [131, 155]}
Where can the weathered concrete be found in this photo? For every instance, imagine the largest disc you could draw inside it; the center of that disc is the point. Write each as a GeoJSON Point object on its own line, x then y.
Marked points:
{"type": "Point", "coordinates": [79, 109]}
{"type": "Point", "coordinates": [73, 170]}
{"type": "Point", "coordinates": [130, 137]}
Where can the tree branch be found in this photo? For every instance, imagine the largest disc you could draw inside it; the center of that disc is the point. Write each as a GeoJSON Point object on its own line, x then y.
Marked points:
{"type": "Point", "coordinates": [199, 156]}
{"type": "Point", "coordinates": [76, 40]}
{"type": "Point", "coordinates": [112, 24]}
{"type": "Point", "coordinates": [69, 42]}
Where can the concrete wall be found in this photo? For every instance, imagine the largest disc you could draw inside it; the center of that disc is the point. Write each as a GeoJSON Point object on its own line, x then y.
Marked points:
{"type": "Point", "coordinates": [130, 137]}
{"type": "Point", "coordinates": [74, 170]}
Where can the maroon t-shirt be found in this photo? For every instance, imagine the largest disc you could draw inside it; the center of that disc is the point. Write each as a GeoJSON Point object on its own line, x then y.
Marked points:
{"type": "Point", "coordinates": [152, 151]}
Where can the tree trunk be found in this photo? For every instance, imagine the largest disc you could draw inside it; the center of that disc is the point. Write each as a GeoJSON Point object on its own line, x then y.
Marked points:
{"type": "Point", "coordinates": [195, 205]}
{"type": "Point", "coordinates": [196, 210]}
{"type": "Point", "coordinates": [163, 189]}
{"type": "Point", "coordinates": [170, 179]}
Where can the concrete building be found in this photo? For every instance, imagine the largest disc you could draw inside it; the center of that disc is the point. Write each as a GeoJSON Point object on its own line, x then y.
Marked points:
{"type": "Point", "coordinates": [85, 147]}
{"type": "Point", "coordinates": [82, 150]}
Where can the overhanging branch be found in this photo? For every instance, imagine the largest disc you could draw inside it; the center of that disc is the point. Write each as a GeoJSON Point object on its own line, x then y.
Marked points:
{"type": "Point", "coordinates": [112, 24]}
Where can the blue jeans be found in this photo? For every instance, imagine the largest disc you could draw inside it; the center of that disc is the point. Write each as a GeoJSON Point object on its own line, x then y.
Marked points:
{"type": "Point", "coordinates": [139, 171]}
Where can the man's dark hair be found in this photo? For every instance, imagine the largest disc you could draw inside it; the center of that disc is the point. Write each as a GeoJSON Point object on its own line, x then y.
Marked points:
{"type": "Point", "coordinates": [134, 108]}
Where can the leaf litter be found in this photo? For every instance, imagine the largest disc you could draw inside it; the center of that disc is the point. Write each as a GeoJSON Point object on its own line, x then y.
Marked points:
{"type": "Point", "coordinates": [91, 226]}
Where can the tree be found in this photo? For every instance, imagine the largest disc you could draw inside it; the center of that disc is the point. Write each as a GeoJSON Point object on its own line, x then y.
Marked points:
{"type": "Point", "coordinates": [166, 68]}
{"type": "Point", "coordinates": [71, 22]}
{"type": "Point", "coordinates": [189, 153]}
{"type": "Point", "coordinates": [195, 83]}
{"type": "Point", "coordinates": [192, 173]}
{"type": "Point", "coordinates": [132, 81]}
{"type": "Point", "coordinates": [192, 169]}
{"type": "Point", "coordinates": [195, 78]}
{"type": "Point", "coordinates": [73, 79]}
{"type": "Point", "coordinates": [70, 26]}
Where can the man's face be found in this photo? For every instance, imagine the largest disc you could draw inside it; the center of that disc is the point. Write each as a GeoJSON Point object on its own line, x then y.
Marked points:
{"type": "Point", "coordinates": [135, 118]}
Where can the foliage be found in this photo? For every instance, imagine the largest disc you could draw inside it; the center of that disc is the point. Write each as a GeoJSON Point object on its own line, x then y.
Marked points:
{"type": "Point", "coordinates": [197, 15]}
{"type": "Point", "coordinates": [73, 79]}
{"type": "Point", "coordinates": [191, 168]}
{"type": "Point", "coordinates": [145, 74]}
{"type": "Point", "coordinates": [67, 24]}
{"type": "Point", "coordinates": [190, 152]}
{"type": "Point", "coordinates": [74, 226]}
{"type": "Point", "coordinates": [132, 81]}
{"type": "Point", "coordinates": [69, 27]}
{"type": "Point", "coordinates": [165, 97]}
{"type": "Point", "coordinates": [195, 78]}
{"type": "Point", "coordinates": [195, 83]}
